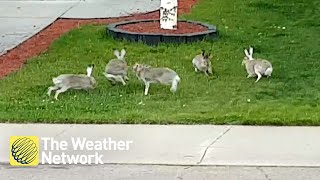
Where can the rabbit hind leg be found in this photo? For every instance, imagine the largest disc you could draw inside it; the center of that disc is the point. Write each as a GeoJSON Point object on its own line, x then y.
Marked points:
{"type": "Point", "coordinates": [116, 78]}
{"type": "Point", "coordinates": [120, 79]}
{"type": "Point", "coordinates": [258, 74]}
{"type": "Point", "coordinates": [111, 78]}
{"type": "Point", "coordinates": [61, 90]}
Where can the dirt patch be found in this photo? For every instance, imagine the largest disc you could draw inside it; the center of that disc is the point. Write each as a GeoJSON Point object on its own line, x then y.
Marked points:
{"type": "Point", "coordinates": [154, 27]}
{"type": "Point", "coordinates": [14, 59]}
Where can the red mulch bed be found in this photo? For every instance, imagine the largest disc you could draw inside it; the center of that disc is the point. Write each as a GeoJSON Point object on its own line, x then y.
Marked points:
{"type": "Point", "coordinates": [154, 27]}
{"type": "Point", "coordinates": [14, 59]}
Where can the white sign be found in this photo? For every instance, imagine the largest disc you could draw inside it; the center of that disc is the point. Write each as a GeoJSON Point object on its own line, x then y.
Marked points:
{"type": "Point", "coordinates": [168, 14]}
{"type": "Point", "coordinates": [79, 150]}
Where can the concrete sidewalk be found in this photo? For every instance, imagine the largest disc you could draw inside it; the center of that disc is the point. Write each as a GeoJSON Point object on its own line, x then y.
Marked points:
{"type": "Point", "coordinates": [20, 20]}
{"type": "Point", "coordinates": [185, 144]}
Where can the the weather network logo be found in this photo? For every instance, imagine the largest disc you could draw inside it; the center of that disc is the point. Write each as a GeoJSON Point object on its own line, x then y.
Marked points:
{"type": "Point", "coordinates": [24, 151]}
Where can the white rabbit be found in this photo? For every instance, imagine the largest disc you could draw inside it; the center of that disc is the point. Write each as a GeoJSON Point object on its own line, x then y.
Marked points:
{"type": "Point", "coordinates": [73, 81]}
{"type": "Point", "coordinates": [256, 67]}
{"type": "Point", "coordinates": [202, 62]}
{"type": "Point", "coordinates": [160, 75]}
{"type": "Point", "coordinates": [117, 69]}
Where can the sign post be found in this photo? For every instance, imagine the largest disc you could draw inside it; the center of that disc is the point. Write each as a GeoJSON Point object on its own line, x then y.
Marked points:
{"type": "Point", "coordinates": [168, 14]}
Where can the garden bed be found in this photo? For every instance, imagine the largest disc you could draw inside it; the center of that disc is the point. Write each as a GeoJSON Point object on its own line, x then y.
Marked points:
{"type": "Point", "coordinates": [154, 27]}
{"type": "Point", "coordinates": [149, 31]}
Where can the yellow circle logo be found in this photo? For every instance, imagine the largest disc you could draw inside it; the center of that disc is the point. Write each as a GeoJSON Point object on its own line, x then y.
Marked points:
{"type": "Point", "coordinates": [24, 150]}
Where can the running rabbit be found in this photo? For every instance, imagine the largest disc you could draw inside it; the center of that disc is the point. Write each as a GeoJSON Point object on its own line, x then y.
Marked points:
{"type": "Point", "coordinates": [160, 75]}
{"type": "Point", "coordinates": [73, 81]}
{"type": "Point", "coordinates": [117, 69]}
{"type": "Point", "coordinates": [202, 62]}
{"type": "Point", "coordinates": [256, 67]}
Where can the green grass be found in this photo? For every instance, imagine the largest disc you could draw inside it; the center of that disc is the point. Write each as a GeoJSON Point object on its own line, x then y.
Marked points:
{"type": "Point", "coordinates": [290, 97]}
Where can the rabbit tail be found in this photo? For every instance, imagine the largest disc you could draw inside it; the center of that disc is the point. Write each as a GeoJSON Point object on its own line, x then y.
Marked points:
{"type": "Point", "coordinates": [269, 71]}
{"type": "Point", "coordinates": [175, 83]}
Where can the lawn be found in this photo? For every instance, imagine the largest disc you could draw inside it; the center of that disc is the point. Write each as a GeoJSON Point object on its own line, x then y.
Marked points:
{"type": "Point", "coordinates": [287, 32]}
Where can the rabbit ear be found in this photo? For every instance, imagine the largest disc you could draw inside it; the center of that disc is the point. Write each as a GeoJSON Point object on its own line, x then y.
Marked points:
{"type": "Point", "coordinates": [123, 53]}
{"type": "Point", "coordinates": [90, 69]}
{"type": "Point", "coordinates": [249, 56]}
{"type": "Point", "coordinates": [206, 57]}
{"type": "Point", "coordinates": [247, 53]}
{"type": "Point", "coordinates": [117, 54]}
{"type": "Point", "coordinates": [251, 51]}
{"type": "Point", "coordinates": [203, 52]}
{"type": "Point", "coordinates": [135, 66]}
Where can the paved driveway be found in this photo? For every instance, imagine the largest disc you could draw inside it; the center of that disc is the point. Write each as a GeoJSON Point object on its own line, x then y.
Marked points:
{"type": "Point", "coordinates": [20, 20]}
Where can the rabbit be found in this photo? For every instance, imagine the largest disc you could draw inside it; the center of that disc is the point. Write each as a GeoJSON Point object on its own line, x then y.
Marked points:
{"type": "Point", "coordinates": [117, 69]}
{"type": "Point", "coordinates": [161, 75]}
{"type": "Point", "coordinates": [256, 67]}
{"type": "Point", "coordinates": [73, 81]}
{"type": "Point", "coordinates": [202, 62]}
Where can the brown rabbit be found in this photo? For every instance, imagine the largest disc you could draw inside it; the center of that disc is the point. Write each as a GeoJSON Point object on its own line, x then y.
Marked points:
{"type": "Point", "coordinates": [202, 62]}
